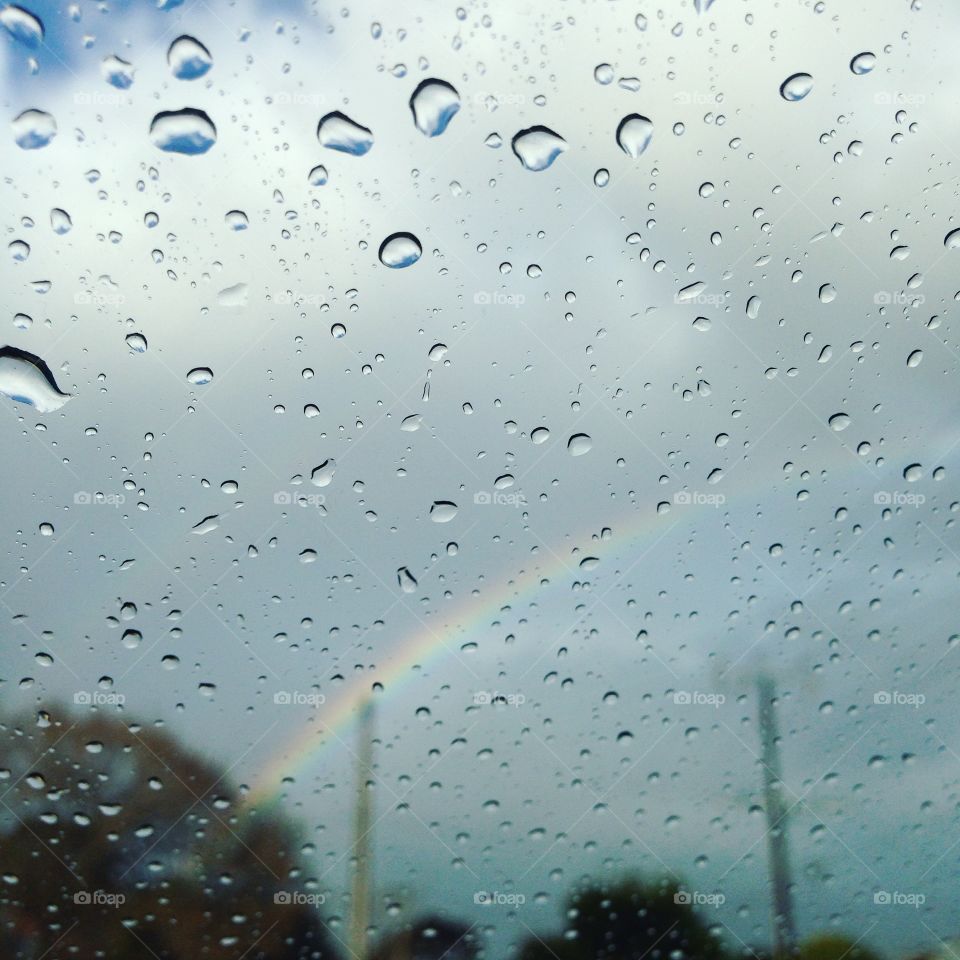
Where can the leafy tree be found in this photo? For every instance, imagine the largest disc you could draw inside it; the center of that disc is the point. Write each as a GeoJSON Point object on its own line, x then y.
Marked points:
{"type": "Point", "coordinates": [429, 938]}
{"type": "Point", "coordinates": [117, 843]}
{"type": "Point", "coordinates": [834, 946]}
{"type": "Point", "coordinates": [628, 921]}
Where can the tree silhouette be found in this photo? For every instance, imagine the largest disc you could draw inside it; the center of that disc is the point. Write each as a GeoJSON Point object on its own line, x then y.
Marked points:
{"type": "Point", "coordinates": [628, 921]}
{"type": "Point", "coordinates": [117, 843]}
{"type": "Point", "coordinates": [429, 938]}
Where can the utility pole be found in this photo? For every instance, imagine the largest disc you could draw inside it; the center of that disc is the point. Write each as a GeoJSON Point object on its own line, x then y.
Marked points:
{"type": "Point", "coordinates": [781, 887]}
{"type": "Point", "coordinates": [362, 865]}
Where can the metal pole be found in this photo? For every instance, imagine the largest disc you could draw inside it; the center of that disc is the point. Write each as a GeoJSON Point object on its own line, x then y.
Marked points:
{"type": "Point", "coordinates": [781, 888]}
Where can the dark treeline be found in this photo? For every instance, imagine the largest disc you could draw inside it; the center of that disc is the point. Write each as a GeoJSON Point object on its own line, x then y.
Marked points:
{"type": "Point", "coordinates": [115, 842]}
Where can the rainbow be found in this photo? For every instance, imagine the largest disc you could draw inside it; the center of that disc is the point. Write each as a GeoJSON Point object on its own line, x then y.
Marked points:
{"type": "Point", "coordinates": [335, 719]}
{"type": "Point", "coordinates": [474, 615]}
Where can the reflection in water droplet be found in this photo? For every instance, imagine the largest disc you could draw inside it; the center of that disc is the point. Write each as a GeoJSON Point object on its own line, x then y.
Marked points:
{"type": "Point", "coordinates": [634, 134]}
{"type": "Point", "coordinates": [579, 444]}
{"type": "Point", "coordinates": [827, 293]}
{"type": "Point", "coordinates": [400, 250]}
{"type": "Point", "coordinates": [200, 376]}
{"type": "Point", "coordinates": [952, 240]}
{"type": "Point", "coordinates": [19, 250]}
{"type": "Point", "coordinates": [188, 58]}
{"type": "Point", "coordinates": [537, 147]}
{"type": "Point", "coordinates": [796, 87]}
{"type": "Point", "coordinates": [25, 378]}
{"type": "Point", "coordinates": [337, 131]}
{"type": "Point", "coordinates": [434, 104]}
{"type": "Point", "coordinates": [188, 131]}
{"type": "Point", "coordinates": [540, 435]}
{"type": "Point", "coordinates": [914, 359]}
{"type": "Point", "coordinates": [33, 129]}
{"type": "Point", "coordinates": [318, 175]}
{"type": "Point", "coordinates": [137, 342]}
{"type": "Point", "coordinates": [863, 63]}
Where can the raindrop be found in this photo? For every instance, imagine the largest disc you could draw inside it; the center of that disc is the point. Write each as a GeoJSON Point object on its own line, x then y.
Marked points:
{"type": "Point", "coordinates": [634, 134]}
{"type": "Point", "coordinates": [839, 422]}
{"type": "Point", "coordinates": [118, 73]}
{"type": "Point", "coordinates": [337, 131]}
{"type": "Point", "coordinates": [863, 63]}
{"type": "Point", "coordinates": [318, 175]}
{"type": "Point", "coordinates": [796, 87]}
{"type": "Point", "coordinates": [25, 378]}
{"type": "Point", "coordinates": [22, 25]}
{"type": "Point", "coordinates": [322, 476]}
{"type": "Point", "coordinates": [443, 511]}
{"type": "Point", "coordinates": [60, 221]}
{"type": "Point", "coordinates": [914, 359]}
{"type": "Point", "coordinates": [913, 473]}
{"type": "Point", "coordinates": [188, 131]}
{"type": "Point", "coordinates": [400, 250]}
{"type": "Point", "coordinates": [406, 579]}
{"type": "Point", "coordinates": [188, 58]}
{"type": "Point", "coordinates": [236, 220]}
{"type": "Point", "coordinates": [540, 435]}
{"type": "Point", "coordinates": [537, 147]}
{"type": "Point", "coordinates": [434, 104]}
{"type": "Point", "coordinates": [199, 376]}
{"type": "Point", "coordinates": [579, 444]}
{"type": "Point", "coordinates": [33, 129]}
{"type": "Point", "coordinates": [137, 342]}
{"type": "Point", "coordinates": [952, 240]}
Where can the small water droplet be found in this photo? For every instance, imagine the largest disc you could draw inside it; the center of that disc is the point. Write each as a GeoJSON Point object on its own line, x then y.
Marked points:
{"type": "Point", "coordinates": [188, 58]}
